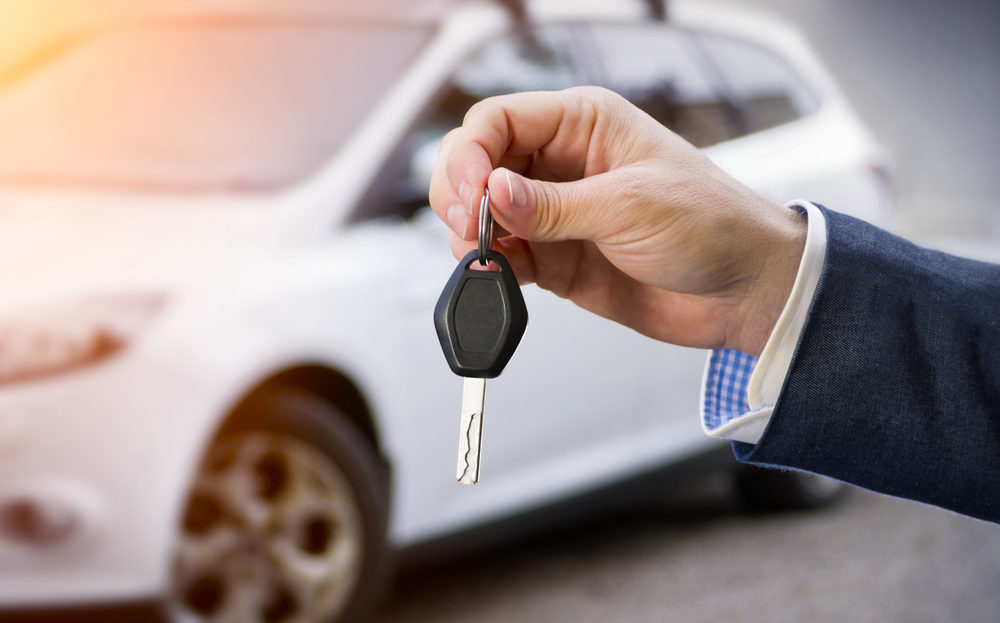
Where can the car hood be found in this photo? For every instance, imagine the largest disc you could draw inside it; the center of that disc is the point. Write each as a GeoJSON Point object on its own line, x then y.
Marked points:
{"type": "Point", "coordinates": [52, 245]}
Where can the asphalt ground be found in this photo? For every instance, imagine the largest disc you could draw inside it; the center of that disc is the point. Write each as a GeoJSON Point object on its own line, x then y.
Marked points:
{"type": "Point", "coordinates": [694, 556]}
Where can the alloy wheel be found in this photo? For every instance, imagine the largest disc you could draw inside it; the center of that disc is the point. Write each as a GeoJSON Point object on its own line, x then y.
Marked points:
{"type": "Point", "coordinates": [272, 534]}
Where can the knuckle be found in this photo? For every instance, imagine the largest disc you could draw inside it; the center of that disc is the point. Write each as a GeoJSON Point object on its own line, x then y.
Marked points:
{"type": "Point", "coordinates": [450, 137]}
{"type": "Point", "coordinates": [548, 211]}
{"type": "Point", "coordinates": [482, 108]}
{"type": "Point", "coordinates": [598, 97]}
{"type": "Point", "coordinates": [632, 185]}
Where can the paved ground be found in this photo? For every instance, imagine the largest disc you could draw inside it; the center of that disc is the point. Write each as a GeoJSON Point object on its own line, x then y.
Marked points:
{"type": "Point", "coordinates": [696, 558]}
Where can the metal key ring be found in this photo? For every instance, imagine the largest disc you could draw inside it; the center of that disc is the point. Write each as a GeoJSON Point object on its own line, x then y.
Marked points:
{"type": "Point", "coordinates": [485, 227]}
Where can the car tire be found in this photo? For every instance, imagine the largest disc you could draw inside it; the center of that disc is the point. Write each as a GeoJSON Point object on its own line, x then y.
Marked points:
{"type": "Point", "coordinates": [763, 489]}
{"type": "Point", "coordinates": [286, 519]}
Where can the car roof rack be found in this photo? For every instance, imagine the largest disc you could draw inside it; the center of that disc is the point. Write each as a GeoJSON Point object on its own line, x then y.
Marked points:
{"type": "Point", "coordinates": [657, 9]}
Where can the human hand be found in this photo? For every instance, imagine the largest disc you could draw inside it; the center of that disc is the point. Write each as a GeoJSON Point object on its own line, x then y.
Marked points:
{"type": "Point", "coordinates": [604, 206]}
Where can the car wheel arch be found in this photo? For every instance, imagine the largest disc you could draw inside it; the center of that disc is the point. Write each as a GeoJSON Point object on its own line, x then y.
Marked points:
{"type": "Point", "coordinates": [326, 383]}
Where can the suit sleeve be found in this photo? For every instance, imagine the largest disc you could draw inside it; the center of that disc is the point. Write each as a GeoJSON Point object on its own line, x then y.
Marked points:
{"type": "Point", "coordinates": [895, 381]}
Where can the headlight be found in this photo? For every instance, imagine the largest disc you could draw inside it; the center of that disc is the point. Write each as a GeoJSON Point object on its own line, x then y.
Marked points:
{"type": "Point", "coordinates": [59, 338]}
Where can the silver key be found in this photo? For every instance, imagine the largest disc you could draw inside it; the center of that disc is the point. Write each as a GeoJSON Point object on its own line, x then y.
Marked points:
{"type": "Point", "coordinates": [470, 439]}
{"type": "Point", "coordinates": [480, 318]}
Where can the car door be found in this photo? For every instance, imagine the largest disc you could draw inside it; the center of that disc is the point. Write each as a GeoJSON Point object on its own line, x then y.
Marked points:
{"type": "Point", "coordinates": [675, 85]}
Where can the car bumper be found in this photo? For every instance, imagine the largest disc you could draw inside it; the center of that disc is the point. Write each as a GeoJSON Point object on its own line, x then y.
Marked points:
{"type": "Point", "coordinates": [93, 467]}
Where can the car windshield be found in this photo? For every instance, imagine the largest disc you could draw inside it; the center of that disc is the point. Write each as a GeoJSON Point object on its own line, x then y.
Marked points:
{"type": "Point", "coordinates": [192, 107]}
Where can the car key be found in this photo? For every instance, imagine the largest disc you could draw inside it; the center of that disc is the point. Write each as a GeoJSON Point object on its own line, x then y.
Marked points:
{"type": "Point", "coordinates": [480, 318]}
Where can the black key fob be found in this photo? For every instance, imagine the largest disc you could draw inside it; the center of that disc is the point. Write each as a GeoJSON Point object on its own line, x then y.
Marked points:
{"type": "Point", "coordinates": [480, 317]}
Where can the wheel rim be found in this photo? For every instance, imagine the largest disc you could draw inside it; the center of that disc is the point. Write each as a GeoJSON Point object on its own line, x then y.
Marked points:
{"type": "Point", "coordinates": [272, 533]}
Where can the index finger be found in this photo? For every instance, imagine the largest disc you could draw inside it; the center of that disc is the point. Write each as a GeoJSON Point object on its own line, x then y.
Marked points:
{"type": "Point", "coordinates": [555, 126]}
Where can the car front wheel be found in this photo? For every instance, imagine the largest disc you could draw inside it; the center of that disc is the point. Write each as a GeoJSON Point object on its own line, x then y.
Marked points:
{"type": "Point", "coordinates": [285, 522]}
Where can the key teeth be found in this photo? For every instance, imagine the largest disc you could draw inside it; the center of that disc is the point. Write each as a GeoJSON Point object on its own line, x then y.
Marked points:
{"type": "Point", "coordinates": [464, 477]}
{"type": "Point", "coordinates": [471, 431]}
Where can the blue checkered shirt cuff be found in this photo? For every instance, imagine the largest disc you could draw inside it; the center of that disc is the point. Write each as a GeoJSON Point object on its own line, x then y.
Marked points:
{"type": "Point", "coordinates": [726, 379]}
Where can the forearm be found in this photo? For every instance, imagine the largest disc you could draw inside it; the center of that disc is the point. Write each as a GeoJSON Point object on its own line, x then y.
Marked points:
{"type": "Point", "coordinates": [895, 384]}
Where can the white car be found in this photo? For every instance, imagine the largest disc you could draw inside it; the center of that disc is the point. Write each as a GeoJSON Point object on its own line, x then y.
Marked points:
{"type": "Point", "coordinates": [221, 393]}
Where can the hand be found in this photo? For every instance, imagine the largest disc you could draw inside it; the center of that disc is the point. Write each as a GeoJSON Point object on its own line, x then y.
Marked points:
{"type": "Point", "coordinates": [604, 206]}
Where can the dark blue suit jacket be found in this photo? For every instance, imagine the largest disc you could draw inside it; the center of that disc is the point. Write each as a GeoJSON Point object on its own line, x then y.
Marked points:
{"type": "Point", "coordinates": [895, 382]}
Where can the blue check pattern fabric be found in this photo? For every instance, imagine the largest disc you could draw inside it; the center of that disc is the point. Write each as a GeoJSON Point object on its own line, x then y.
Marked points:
{"type": "Point", "coordinates": [726, 380]}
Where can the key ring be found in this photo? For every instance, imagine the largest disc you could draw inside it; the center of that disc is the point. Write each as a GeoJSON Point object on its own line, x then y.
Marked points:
{"type": "Point", "coordinates": [485, 227]}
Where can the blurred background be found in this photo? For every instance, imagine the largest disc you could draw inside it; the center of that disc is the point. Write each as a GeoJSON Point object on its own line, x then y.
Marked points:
{"type": "Point", "coordinates": [923, 77]}
{"type": "Point", "coordinates": [151, 413]}
{"type": "Point", "coordinates": [921, 74]}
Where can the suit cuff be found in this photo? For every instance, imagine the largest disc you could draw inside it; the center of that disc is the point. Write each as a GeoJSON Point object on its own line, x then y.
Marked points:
{"type": "Point", "coordinates": [739, 391]}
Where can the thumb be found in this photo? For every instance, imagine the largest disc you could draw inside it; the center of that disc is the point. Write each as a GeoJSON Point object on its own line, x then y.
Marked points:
{"type": "Point", "coordinates": [542, 211]}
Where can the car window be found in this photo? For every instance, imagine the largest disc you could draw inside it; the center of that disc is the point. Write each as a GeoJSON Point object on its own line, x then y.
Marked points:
{"type": "Point", "coordinates": [224, 106]}
{"type": "Point", "coordinates": [658, 69]}
{"type": "Point", "coordinates": [766, 88]}
{"type": "Point", "coordinates": [531, 59]}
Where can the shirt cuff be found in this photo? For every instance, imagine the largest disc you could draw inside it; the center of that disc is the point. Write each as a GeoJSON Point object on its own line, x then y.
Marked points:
{"type": "Point", "coordinates": [739, 391]}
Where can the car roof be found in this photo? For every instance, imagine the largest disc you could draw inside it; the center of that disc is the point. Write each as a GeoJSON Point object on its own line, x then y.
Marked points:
{"type": "Point", "coordinates": [393, 11]}
{"type": "Point", "coordinates": [403, 11]}
{"type": "Point", "coordinates": [700, 15]}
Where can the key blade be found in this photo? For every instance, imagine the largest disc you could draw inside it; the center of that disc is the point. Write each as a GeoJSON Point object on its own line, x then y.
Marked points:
{"type": "Point", "coordinates": [471, 430]}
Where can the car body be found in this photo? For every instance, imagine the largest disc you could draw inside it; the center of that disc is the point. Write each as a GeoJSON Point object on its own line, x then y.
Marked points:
{"type": "Point", "coordinates": [149, 290]}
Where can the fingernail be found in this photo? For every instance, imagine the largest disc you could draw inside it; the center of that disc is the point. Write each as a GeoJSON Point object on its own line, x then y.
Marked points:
{"type": "Point", "coordinates": [518, 193]}
{"type": "Point", "coordinates": [465, 194]}
{"type": "Point", "coordinates": [456, 217]}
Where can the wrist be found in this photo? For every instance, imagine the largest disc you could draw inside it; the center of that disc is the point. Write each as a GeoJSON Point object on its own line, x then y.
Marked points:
{"type": "Point", "coordinates": [778, 254]}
